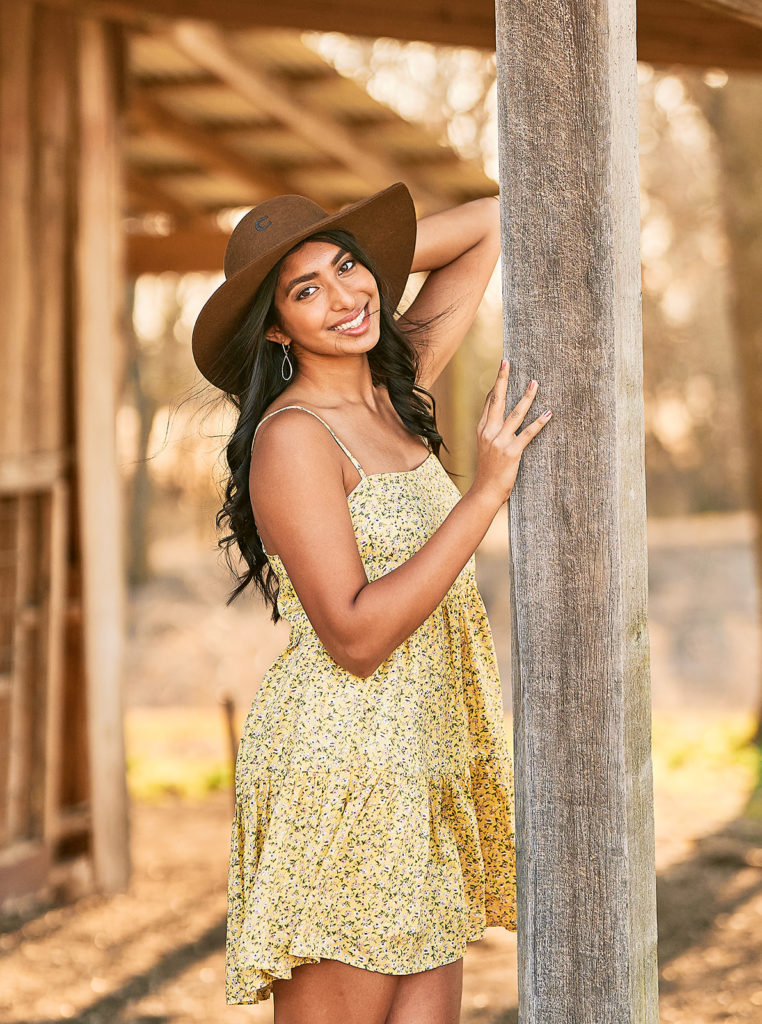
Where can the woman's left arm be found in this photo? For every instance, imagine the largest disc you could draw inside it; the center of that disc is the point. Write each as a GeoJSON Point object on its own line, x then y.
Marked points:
{"type": "Point", "coordinates": [460, 248]}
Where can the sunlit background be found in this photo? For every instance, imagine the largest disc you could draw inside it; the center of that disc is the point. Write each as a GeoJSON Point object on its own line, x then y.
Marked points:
{"type": "Point", "coordinates": [193, 664]}
{"type": "Point", "coordinates": [188, 650]}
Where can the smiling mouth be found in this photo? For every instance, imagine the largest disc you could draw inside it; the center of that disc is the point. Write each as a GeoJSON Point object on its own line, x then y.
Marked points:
{"type": "Point", "coordinates": [351, 324]}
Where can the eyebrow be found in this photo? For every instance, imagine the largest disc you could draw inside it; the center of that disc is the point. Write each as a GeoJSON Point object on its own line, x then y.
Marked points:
{"type": "Point", "coordinates": [309, 277]}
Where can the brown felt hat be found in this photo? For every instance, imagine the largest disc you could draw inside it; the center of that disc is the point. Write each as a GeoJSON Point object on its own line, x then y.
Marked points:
{"type": "Point", "coordinates": [384, 225]}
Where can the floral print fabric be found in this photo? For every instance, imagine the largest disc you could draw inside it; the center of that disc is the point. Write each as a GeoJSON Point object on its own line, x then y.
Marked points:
{"type": "Point", "coordinates": [373, 818]}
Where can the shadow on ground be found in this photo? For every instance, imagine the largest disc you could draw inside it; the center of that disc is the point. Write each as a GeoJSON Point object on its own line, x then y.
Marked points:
{"type": "Point", "coordinates": [704, 904]}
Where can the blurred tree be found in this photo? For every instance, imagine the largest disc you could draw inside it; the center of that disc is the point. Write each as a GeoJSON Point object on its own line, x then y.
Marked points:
{"type": "Point", "coordinates": [156, 369]}
{"type": "Point", "coordinates": [733, 106]}
{"type": "Point", "coordinates": [694, 461]}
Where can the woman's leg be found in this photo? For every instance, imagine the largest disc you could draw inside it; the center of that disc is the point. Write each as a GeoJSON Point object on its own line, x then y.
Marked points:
{"type": "Point", "coordinates": [330, 992]}
{"type": "Point", "coordinates": [429, 997]}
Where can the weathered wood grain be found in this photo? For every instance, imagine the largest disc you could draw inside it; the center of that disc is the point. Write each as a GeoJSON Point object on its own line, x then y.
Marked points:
{"type": "Point", "coordinates": [99, 263]}
{"type": "Point", "coordinates": [567, 101]}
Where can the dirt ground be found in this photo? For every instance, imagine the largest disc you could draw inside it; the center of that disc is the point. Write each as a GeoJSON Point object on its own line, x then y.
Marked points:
{"type": "Point", "coordinates": [155, 954]}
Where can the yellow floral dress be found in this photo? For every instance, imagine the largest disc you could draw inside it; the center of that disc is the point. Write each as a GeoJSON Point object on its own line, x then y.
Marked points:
{"type": "Point", "coordinates": [373, 818]}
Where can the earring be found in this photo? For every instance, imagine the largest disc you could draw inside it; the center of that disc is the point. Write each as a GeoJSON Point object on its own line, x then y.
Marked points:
{"type": "Point", "coordinates": [290, 374]}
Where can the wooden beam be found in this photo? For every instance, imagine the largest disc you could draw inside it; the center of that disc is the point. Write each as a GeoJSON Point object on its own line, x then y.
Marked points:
{"type": "Point", "coordinates": [21, 747]}
{"type": "Point", "coordinates": [669, 31]}
{"type": "Point", "coordinates": [749, 11]}
{"type": "Point", "coordinates": [37, 471]}
{"type": "Point", "coordinates": [99, 262]}
{"type": "Point", "coordinates": [155, 199]}
{"type": "Point", "coordinates": [451, 22]}
{"type": "Point", "coordinates": [58, 551]}
{"type": "Point", "coordinates": [184, 252]}
{"type": "Point", "coordinates": [735, 114]}
{"type": "Point", "coordinates": [679, 32]}
{"type": "Point", "coordinates": [16, 228]}
{"type": "Point", "coordinates": [203, 149]}
{"type": "Point", "coordinates": [568, 148]}
{"type": "Point", "coordinates": [54, 109]}
{"type": "Point", "coordinates": [211, 49]}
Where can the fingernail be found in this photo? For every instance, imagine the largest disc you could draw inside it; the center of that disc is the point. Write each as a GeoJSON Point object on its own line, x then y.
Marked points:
{"type": "Point", "coordinates": [546, 414]}
{"type": "Point", "coordinates": [532, 385]}
{"type": "Point", "coordinates": [503, 364]}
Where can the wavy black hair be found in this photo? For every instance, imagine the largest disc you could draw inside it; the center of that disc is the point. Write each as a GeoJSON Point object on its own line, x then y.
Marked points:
{"type": "Point", "coordinates": [251, 367]}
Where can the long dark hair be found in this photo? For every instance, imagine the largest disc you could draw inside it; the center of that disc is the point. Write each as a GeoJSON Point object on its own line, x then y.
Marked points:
{"type": "Point", "coordinates": [253, 380]}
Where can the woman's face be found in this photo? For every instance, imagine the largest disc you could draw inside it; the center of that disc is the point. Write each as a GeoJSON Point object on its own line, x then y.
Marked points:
{"type": "Point", "coordinates": [327, 302]}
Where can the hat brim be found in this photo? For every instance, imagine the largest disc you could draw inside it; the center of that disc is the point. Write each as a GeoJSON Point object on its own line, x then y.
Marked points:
{"type": "Point", "coordinates": [385, 226]}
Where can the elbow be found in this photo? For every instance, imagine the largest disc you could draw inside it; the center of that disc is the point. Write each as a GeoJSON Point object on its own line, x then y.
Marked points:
{"type": "Point", "coordinates": [356, 657]}
{"type": "Point", "coordinates": [355, 644]}
{"type": "Point", "coordinates": [360, 663]}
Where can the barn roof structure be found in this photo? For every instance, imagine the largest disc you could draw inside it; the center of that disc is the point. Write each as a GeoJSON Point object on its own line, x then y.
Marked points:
{"type": "Point", "coordinates": [704, 33]}
{"type": "Point", "coordinates": [217, 120]}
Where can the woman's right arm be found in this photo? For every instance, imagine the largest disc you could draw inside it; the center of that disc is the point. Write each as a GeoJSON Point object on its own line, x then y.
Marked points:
{"type": "Point", "coordinates": [301, 503]}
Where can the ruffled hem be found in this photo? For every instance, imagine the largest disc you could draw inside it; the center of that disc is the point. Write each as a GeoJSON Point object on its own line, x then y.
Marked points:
{"type": "Point", "coordinates": [383, 870]}
{"type": "Point", "coordinates": [255, 984]}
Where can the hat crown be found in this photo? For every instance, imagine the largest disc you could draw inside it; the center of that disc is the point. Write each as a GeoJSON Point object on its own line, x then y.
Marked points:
{"type": "Point", "coordinates": [266, 226]}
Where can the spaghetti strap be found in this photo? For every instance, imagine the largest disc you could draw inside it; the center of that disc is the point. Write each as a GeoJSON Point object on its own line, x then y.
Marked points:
{"type": "Point", "coordinates": [341, 445]}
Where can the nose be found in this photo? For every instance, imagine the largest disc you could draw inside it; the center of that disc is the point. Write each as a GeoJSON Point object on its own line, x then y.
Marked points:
{"type": "Point", "coordinates": [341, 295]}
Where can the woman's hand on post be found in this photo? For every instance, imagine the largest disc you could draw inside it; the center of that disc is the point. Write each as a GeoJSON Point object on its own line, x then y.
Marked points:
{"type": "Point", "coordinates": [500, 443]}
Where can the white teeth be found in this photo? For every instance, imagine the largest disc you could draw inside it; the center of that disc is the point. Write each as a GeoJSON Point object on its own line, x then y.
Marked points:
{"type": "Point", "coordinates": [352, 323]}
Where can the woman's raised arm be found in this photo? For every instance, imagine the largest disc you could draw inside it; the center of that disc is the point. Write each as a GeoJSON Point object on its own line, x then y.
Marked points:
{"type": "Point", "coordinates": [460, 248]}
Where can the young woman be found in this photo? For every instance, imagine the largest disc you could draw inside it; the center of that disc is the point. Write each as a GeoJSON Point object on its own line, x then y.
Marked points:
{"type": "Point", "coordinates": [372, 836]}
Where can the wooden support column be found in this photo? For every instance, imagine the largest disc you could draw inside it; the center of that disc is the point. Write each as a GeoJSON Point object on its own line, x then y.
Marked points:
{"type": "Point", "coordinates": [16, 267]}
{"type": "Point", "coordinates": [735, 114]}
{"type": "Point", "coordinates": [99, 263]}
{"type": "Point", "coordinates": [581, 693]}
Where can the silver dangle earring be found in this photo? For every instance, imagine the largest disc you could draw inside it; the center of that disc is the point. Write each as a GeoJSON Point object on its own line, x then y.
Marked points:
{"type": "Point", "coordinates": [290, 374]}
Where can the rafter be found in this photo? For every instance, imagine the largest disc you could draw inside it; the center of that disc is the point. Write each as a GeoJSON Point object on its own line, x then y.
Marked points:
{"type": "Point", "coordinates": [698, 35]}
{"type": "Point", "coordinates": [210, 48]}
{"type": "Point", "coordinates": [157, 199]}
{"type": "Point", "coordinates": [185, 251]}
{"type": "Point", "coordinates": [198, 144]}
{"type": "Point", "coordinates": [704, 33]}
{"type": "Point", "coordinates": [453, 22]}
{"type": "Point", "coordinates": [749, 11]}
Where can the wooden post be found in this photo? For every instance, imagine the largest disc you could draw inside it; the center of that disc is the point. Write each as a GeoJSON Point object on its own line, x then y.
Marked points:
{"type": "Point", "coordinates": [16, 267]}
{"type": "Point", "coordinates": [99, 262]}
{"type": "Point", "coordinates": [56, 640]}
{"type": "Point", "coordinates": [228, 710]}
{"type": "Point", "coordinates": [581, 697]}
{"type": "Point", "coordinates": [734, 114]}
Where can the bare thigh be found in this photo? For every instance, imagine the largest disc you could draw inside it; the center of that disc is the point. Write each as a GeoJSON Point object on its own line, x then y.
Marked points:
{"type": "Point", "coordinates": [429, 997]}
{"type": "Point", "coordinates": [330, 992]}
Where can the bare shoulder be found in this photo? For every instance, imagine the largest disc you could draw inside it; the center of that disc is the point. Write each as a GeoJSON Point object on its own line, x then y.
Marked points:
{"type": "Point", "coordinates": [297, 491]}
{"type": "Point", "coordinates": [292, 436]}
